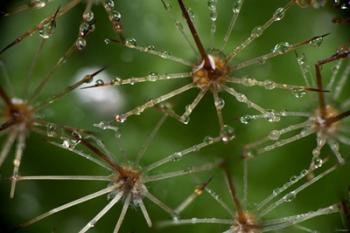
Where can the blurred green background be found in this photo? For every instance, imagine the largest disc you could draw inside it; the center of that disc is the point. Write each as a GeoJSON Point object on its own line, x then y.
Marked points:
{"type": "Point", "coordinates": [150, 24]}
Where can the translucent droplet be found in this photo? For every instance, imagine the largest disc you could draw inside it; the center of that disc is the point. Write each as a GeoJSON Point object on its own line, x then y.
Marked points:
{"type": "Point", "coordinates": [115, 16]}
{"type": "Point", "coordinates": [191, 13]}
{"type": "Point", "coordinates": [80, 43]}
{"type": "Point", "coordinates": [107, 41]}
{"type": "Point", "coordinates": [281, 48]}
{"type": "Point", "coordinates": [120, 118]}
{"type": "Point", "coordinates": [84, 29]}
{"type": "Point", "coordinates": [274, 135]}
{"type": "Point", "coordinates": [131, 43]}
{"type": "Point", "coordinates": [279, 14]}
{"type": "Point", "coordinates": [220, 103]}
{"type": "Point", "coordinates": [208, 139]}
{"type": "Point", "coordinates": [236, 6]}
{"type": "Point", "coordinates": [271, 116]}
{"type": "Point", "coordinates": [257, 31]}
{"type": "Point", "coordinates": [175, 157]}
{"type": "Point", "coordinates": [290, 196]}
{"type": "Point", "coordinates": [152, 77]}
{"type": "Point", "coordinates": [241, 98]}
{"type": "Point", "coordinates": [318, 163]}
{"type": "Point", "coordinates": [227, 133]}
{"type": "Point", "coordinates": [245, 119]}
{"type": "Point", "coordinates": [47, 30]}
{"type": "Point", "coordinates": [269, 85]}
{"type": "Point", "coordinates": [99, 82]}
{"type": "Point", "coordinates": [109, 5]}
{"type": "Point", "coordinates": [88, 16]}
{"type": "Point", "coordinates": [299, 92]}
{"type": "Point", "coordinates": [317, 42]}
{"type": "Point", "coordinates": [51, 130]}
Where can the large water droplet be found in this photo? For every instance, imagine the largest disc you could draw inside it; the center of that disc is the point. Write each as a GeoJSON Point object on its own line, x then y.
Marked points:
{"type": "Point", "coordinates": [80, 43]}
{"type": "Point", "coordinates": [227, 133]}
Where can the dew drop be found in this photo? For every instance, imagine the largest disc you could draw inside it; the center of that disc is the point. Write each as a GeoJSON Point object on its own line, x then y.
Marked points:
{"type": "Point", "coordinates": [279, 14]}
{"type": "Point", "coordinates": [120, 118]}
{"type": "Point", "coordinates": [107, 41]}
{"type": "Point", "coordinates": [298, 92]}
{"type": "Point", "coordinates": [208, 140]}
{"type": "Point", "coordinates": [245, 119]}
{"type": "Point", "coordinates": [227, 133]}
{"type": "Point", "coordinates": [317, 42]}
{"type": "Point", "coordinates": [51, 130]}
{"type": "Point", "coordinates": [152, 77]}
{"type": "Point", "coordinates": [109, 5]}
{"type": "Point", "coordinates": [115, 16]}
{"type": "Point", "coordinates": [290, 196]}
{"type": "Point", "coordinates": [47, 30]}
{"type": "Point", "coordinates": [99, 82]}
{"type": "Point", "coordinates": [220, 103]}
{"type": "Point", "coordinates": [80, 43]}
{"type": "Point", "coordinates": [281, 48]}
{"type": "Point", "coordinates": [88, 16]}
{"type": "Point", "coordinates": [274, 135]}
{"type": "Point", "coordinates": [131, 43]}
{"type": "Point", "coordinates": [257, 31]}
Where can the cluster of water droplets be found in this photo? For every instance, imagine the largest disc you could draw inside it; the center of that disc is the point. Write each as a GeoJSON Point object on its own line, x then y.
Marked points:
{"type": "Point", "coordinates": [72, 141]}
{"type": "Point", "coordinates": [113, 15]}
{"type": "Point", "coordinates": [213, 15]}
{"type": "Point", "coordinates": [106, 126]}
{"type": "Point", "coordinates": [87, 26]}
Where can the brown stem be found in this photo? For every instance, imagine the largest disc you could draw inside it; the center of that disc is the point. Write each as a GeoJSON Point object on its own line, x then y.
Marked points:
{"type": "Point", "coordinates": [231, 186]}
{"type": "Point", "coordinates": [339, 55]}
{"type": "Point", "coordinates": [7, 124]}
{"type": "Point", "coordinates": [338, 117]}
{"type": "Point", "coordinates": [195, 35]}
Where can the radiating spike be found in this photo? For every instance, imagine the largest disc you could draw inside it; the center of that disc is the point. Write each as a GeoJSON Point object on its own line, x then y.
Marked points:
{"type": "Point", "coordinates": [69, 204]}
{"type": "Point", "coordinates": [243, 99]}
{"type": "Point", "coordinates": [304, 68]}
{"type": "Point", "coordinates": [159, 203]}
{"type": "Point", "coordinates": [151, 103]}
{"type": "Point", "coordinates": [198, 191]}
{"type": "Point", "coordinates": [341, 83]}
{"type": "Point", "coordinates": [180, 154]}
{"type": "Point", "coordinates": [217, 198]}
{"type": "Point", "coordinates": [145, 212]}
{"type": "Point", "coordinates": [87, 79]}
{"type": "Point", "coordinates": [343, 139]}
{"type": "Point", "coordinates": [335, 72]}
{"type": "Point", "coordinates": [236, 9]}
{"type": "Point", "coordinates": [282, 223]}
{"type": "Point", "coordinates": [150, 138]}
{"type": "Point", "coordinates": [219, 105]}
{"type": "Point", "coordinates": [278, 50]}
{"type": "Point", "coordinates": [93, 221]}
{"type": "Point", "coordinates": [7, 146]}
{"type": "Point", "coordinates": [335, 148]}
{"type": "Point", "coordinates": [195, 221]}
{"type": "Point", "coordinates": [75, 178]}
{"type": "Point", "coordinates": [152, 77]}
{"type": "Point", "coordinates": [122, 214]}
{"type": "Point", "coordinates": [189, 170]}
{"type": "Point", "coordinates": [32, 4]}
{"type": "Point", "coordinates": [291, 195]}
{"type": "Point", "coordinates": [6, 76]}
{"type": "Point", "coordinates": [21, 143]}
{"type": "Point", "coordinates": [189, 108]}
{"type": "Point", "coordinates": [258, 31]}
{"type": "Point", "coordinates": [283, 142]}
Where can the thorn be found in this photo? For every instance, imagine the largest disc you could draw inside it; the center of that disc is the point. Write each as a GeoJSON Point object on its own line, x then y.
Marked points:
{"type": "Point", "coordinates": [316, 90]}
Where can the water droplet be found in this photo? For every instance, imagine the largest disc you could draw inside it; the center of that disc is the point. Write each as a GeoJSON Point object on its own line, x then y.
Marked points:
{"type": "Point", "coordinates": [220, 103]}
{"type": "Point", "coordinates": [175, 157]}
{"type": "Point", "coordinates": [257, 31]}
{"type": "Point", "coordinates": [99, 82]}
{"type": "Point", "coordinates": [279, 14]}
{"type": "Point", "coordinates": [191, 13]}
{"type": "Point", "coordinates": [274, 135]}
{"type": "Point", "coordinates": [88, 16]}
{"type": "Point", "coordinates": [317, 42]}
{"type": "Point", "coordinates": [227, 133]}
{"type": "Point", "coordinates": [109, 5]}
{"type": "Point", "coordinates": [107, 41]}
{"type": "Point", "coordinates": [245, 119]}
{"type": "Point", "coordinates": [281, 48]}
{"type": "Point", "coordinates": [84, 29]}
{"type": "Point", "coordinates": [47, 30]}
{"type": "Point", "coordinates": [51, 130]}
{"type": "Point", "coordinates": [299, 92]}
{"type": "Point", "coordinates": [120, 118]}
{"type": "Point", "coordinates": [131, 43]}
{"type": "Point", "coordinates": [152, 77]}
{"type": "Point", "coordinates": [241, 98]}
{"type": "Point", "coordinates": [208, 140]}
{"type": "Point", "coordinates": [318, 163]}
{"type": "Point", "coordinates": [115, 16]}
{"type": "Point", "coordinates": [290, 196]}
{"type": "Point", "coordinates": [80, 43]}
{"type": "Point", "coordinates": [269, 85]}
{"type": "Point", "coordinates": [236, 6]}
